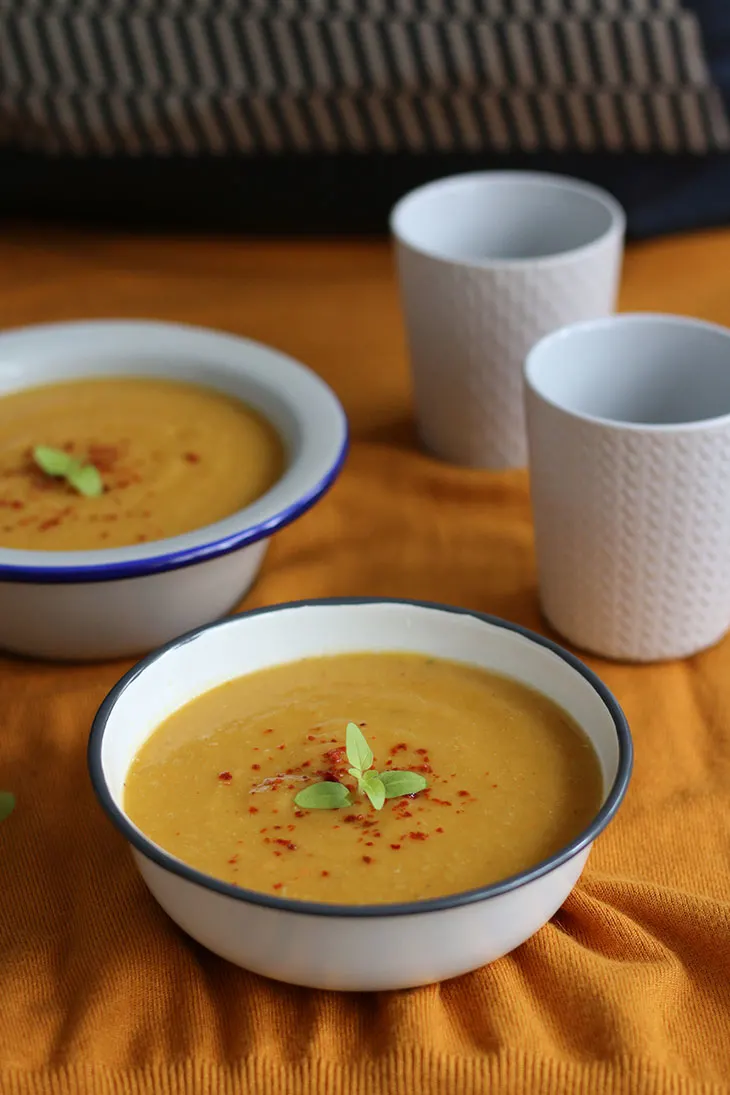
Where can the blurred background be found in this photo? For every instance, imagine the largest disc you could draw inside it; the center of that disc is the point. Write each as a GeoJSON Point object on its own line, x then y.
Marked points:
{"type": "Point", "coordinates": [313, 116]}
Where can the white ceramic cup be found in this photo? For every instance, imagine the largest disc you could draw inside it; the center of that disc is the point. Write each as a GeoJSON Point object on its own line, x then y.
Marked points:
{"type": "Point", "coordinates": [489, 263]}
{"type": "Point", "coordinates": [629, 432]}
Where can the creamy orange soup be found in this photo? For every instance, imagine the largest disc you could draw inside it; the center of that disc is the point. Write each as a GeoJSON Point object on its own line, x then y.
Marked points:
{"type": "Point", "coordinates": [511, 779]}
{"type": "Point", "coordinates": [173, 457]}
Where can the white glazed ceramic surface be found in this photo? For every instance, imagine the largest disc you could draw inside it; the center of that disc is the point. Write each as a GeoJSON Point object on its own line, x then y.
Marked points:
{"type": "Point", "coordinates": [489, 263]}
{"type": "Point", "coordinates": [629, 428]}
{"type": "Point", "coordinates": [350, 947]}
{"type": "Point", "coordinates": [121, 601]}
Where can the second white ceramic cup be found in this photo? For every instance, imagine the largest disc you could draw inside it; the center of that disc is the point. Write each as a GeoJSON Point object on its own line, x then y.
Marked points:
{"type": "Point", "coordinates": [629, 432]}
{"type": "Point", "coordinates": [489, 263]}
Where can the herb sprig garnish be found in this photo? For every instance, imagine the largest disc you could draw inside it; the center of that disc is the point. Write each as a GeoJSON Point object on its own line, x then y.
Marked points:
{"type": "Point", "coordinates": [376, 786]}
{"type": "Point", "coordinates": [83, 478]}
{"type": "Point", "coordinates": [7, 804]}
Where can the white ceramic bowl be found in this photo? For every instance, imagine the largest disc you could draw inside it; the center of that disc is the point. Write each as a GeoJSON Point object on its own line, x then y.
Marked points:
{"type": "Point", "coordinates": [103, 604]}
{"type": "Point", "coordinates": [338, 946]}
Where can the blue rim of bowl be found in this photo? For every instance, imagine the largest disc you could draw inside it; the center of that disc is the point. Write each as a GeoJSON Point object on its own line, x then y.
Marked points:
{"type": "Point", "coordinates": [315, 908]}
{"type": "Point", "coordinates": [174, 560]}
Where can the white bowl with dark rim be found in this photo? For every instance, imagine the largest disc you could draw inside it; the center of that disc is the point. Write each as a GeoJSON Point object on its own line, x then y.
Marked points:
{"type": "Point", "coordinates": [126, 600]}
{"type": "Point", "coordinates": [353, 947]}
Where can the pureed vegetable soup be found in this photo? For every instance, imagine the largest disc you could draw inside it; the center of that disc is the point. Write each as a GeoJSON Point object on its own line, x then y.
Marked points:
{"type": "Point", "coordinates": [245, 782]}
{"type": "Point", "coordinates": [106, 463]}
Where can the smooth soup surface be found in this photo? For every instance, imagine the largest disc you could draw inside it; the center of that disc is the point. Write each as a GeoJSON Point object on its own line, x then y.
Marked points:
{"type": "Point", "coordinates": [511, 779]}
{"type": "Point", "coordinates": [173, 457]}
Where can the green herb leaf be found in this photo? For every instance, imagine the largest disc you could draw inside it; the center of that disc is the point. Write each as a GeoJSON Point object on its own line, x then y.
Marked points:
{"type": "Point", "coordinates": [359, 753]}
{"type": "Point", "coordinates": [402, 783]}
{"type": "Point", "coordinates": [323, 796]}
{"type": "Point", "coordinates": [7, 804]}
{"type": "Point", "coordinates": [86, 480]}
{"type": "Point", "coordinates": [372, 786]}
{"type": "Point", "coordinates": [53, 461]}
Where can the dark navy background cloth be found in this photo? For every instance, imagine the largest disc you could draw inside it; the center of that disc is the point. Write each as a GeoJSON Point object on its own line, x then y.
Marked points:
{"type": "Point", "coordinates": [315, 116]}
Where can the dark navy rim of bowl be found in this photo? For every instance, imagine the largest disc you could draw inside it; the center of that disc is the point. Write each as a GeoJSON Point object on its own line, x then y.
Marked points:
{"type": "Point", "coordinates": [315, 908]}
{"type": "Point", "coordinates": [174, 560]}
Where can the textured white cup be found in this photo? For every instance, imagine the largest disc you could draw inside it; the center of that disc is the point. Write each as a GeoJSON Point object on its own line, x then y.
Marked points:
{"type": "Point", "coordinates": [489, 263]}
{"type": "Point", "coordinates": [629, 433]}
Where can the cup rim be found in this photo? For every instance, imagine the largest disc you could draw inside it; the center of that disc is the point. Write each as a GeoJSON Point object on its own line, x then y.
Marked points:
{"type": "Point", "coordinates": [142, 844]}
{"type": "Point", "coordinates": [540, 179]}
{"type": "Point", "coordinates": [623, 319]}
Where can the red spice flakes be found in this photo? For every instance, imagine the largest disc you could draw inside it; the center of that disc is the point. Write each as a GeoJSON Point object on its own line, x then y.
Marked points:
{"type": "Point", "coordinates": [399, 748]}
{"type": "Point", "coordinates": [299, 813]}
{"type": "Point", "coordinates": [395, 847]}
{"type": "Point", "coordinates": [49, 523]}
{"type": "Point", "coordinates": [422, 752]}
{"type": "Point", "coordinates": [264, 830]}
{"type": "Point", "coordinates": [310, 737]}
{"type": "Point", "coordinates": [354, 817]}
{"type": "Point", "coordinates": [325, 874]}
{"type": "Point", "coordinates": [267, 840]}
{"type": "Point", "coordinates": [233, 859]}
{"type": "Point", "coordinates": [439, 830]}
{"type": "Point", "coordinates": [291, 828]}
{"type": "Point", "coordinates": [281, 746]}
{"type": "Point", "coordinates": [306, 764]}
{"type": "Point", "coordinates": [441, 801]}
{"type": "Point", "coordinates": [277, 885]}
{"type": "Point", "coordinates": [377, 833]}
{"type": "Point", "coordinates": [369, 844]}
{"type": "Point", "coordinates": [288, 844]}
{"type": "Point", "coordinates": [253, 809]}
{"type": "Point", "coordinates": [192, 457]}
{"type": "Point", "coordinates": [336, 756]}
{"type": "Point", "coordinates": [363, 724]}
{"type": "Point", "coordinates": [225, 777]}
{"type": "Point", "coordinates": [494, 785]}
{"type": "Point", "coordinates": [367, 859]}
{"type": "Point", "coordinates": [103, 456]}
{"type": "Point", "coordinates": [418, 836]}
{"type": "Point", "coordinates": [464, 794]}
{"type": "Point", "coordinates": [14, 504]}
{"type": "Point", "coordinates": [256, 767]}
{"type": "Point", "coordinates": [277, 853]}
{"type": "Point", "coordinates": [269, 731]}
{"type": "Point", "coordinates": [277, 828]}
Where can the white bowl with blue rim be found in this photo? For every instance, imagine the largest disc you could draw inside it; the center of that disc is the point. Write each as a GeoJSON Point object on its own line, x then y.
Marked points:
{"type": "Point", "coordinates": [81, 605]}
{"type": "Point", "coordinates": [353, 947]}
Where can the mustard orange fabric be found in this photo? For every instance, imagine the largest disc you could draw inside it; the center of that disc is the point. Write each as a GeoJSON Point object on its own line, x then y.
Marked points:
{"type": "Point", "coordinates": [626, 991]}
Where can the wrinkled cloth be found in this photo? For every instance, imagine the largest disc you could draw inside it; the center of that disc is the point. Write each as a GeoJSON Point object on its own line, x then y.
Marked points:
{"type": "Point", "coordinates": [627, 989]}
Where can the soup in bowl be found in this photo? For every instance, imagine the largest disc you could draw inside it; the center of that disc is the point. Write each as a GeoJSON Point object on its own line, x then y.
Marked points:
{"type": "Point", "coordinates": [360, 794]}
{"type": "Point", "coordinates": [143, 468]}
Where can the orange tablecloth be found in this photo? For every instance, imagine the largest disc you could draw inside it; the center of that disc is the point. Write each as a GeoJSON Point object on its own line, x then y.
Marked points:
{"type": "Point", "coordinates": [627, 990]}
